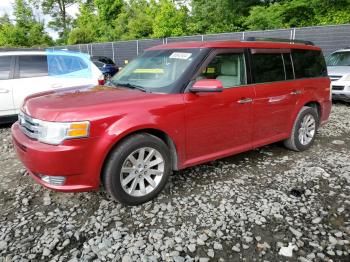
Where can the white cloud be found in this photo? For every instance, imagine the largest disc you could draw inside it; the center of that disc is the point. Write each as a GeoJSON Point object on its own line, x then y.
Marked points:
{"type": "Point", "coordinates": [6, 6]}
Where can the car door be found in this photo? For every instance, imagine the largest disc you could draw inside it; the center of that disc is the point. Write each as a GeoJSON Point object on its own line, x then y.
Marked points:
{"type": "Point", "coordinates": [276, 94]}
{"type": "Point", "coordinates": [219, 124]}
{"type": "Point", "coordinates": [6, 74]}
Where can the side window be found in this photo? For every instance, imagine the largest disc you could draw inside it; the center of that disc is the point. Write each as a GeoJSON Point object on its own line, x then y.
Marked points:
{"type": "Point", "coordinates": [228, 68]}
{"type": "Point", "coordinates": [65, 64]}
{"type": "Point", "coordinates": [32, 66]}
{"type": "Point", "coordinates": [309, 63]}
{"type": "Point", "coordinates": [5, 67]}
{"type": "Point", "coordinates": [267, 67]}
{"type": "Point", "coordinates": [288, 66]}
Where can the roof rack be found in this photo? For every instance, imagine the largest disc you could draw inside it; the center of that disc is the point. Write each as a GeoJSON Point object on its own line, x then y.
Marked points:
{"type": "Point", "coordinates": [283, 40]}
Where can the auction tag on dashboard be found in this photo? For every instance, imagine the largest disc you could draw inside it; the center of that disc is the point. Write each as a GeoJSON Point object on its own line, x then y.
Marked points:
{"type": "Point", "coordinates": [179, 55]}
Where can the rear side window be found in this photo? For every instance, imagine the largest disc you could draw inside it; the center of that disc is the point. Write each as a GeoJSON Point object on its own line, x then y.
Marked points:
{"type": "Point", "coordinates": [308, 63]}
{"type": "Point", "coordinates": [32, 66]}
{"type": "Point", "coordinates": [65, 64]}
{"type": "Point", "coordinates": [267, 67]}
{"type": "Point", "coordinates": [5, 67]}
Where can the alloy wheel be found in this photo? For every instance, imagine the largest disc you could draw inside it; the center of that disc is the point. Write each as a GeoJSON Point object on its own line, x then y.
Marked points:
{"type": "Point", "coordinates": [307, 129]}
{"type": "Point", "coordinates": [142, 171]}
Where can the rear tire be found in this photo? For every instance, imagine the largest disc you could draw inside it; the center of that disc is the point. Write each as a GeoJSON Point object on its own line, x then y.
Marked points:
{"type": "Point", "coordinates": [137, 170]}
{"type": "Point", "coordinates": [304, 130]}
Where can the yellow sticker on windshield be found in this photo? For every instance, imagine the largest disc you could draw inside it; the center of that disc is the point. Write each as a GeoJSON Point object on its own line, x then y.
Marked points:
{"type": "Point", "coordinates": [149, 71]}
{"type": "Point", "coordinates": [211, 70]}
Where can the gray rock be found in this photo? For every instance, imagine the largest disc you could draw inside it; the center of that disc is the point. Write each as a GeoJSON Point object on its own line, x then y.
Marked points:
{"type": "Point", "coordinates": [211, 253]}
{"type": "Point", "coordinates": [46, 252]}
{"type": "Point", "coordinates": [3, 245]}
{"type": "Point", "coordinates": [236, 249]}
{"type": "Point", "coordinates": [295, 232]}
{"type": "Point", "coordinates": [191, 247]}
{"type": "Point", "coordinates": [316, 220]}
{"type": "Point", "coordinates": [217, 246]}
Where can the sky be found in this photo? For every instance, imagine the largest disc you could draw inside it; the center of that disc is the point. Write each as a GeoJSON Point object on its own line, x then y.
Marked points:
{"type": "Point", "coordinates": [6, 7]}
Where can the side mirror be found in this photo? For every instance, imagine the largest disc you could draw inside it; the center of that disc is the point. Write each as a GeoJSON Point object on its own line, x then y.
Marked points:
{"type": "Point", "coordinates": [207, 85]}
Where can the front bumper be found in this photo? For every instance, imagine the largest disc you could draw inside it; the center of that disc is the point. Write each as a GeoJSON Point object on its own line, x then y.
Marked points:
{"type": "Point", "coordinates": [341, 90]}
{"type": "Point", "coordinates": [73, 159]}
{"type": "Point", "coordinates": [341, 95]}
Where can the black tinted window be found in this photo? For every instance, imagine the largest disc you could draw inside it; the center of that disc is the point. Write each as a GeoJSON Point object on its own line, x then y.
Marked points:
{"type": "Point", "coordinates": [288, 66]}
{"type": "Point", "coordinates": [268, 67]}
{"type": "Point", "coordinates": [32, 66]}
{"type": "Point", "coordinates": [5, 67]}
{"type": "Point", "coordinates": [308, 63]}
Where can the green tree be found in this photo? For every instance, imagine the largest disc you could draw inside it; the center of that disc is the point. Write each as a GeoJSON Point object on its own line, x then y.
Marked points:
{"type": "Point", "coordinates": [218, 16]}
{"type": "Point", "coordinates": [61, 20]}
{"type": "Point", "coordinates": [135, 20]}
{"type": "Point", "coordinates": [85, 26]}
{"type": "Point", "coordinates": [26, 31]}
{"type": "Point", "coordinates": [170, 20]}
{"type": "Point", "coordinates": [298, 13]}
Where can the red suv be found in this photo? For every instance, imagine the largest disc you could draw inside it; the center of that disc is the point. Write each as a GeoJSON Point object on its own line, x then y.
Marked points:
{"type": "Point", "coordinates": [173, 107]}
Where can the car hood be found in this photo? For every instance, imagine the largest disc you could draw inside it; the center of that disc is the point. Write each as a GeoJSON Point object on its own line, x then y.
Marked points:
{"type": "Point", "coordinates": [81, 103]}
{"type": "Point", "coordinates": [338, 70]}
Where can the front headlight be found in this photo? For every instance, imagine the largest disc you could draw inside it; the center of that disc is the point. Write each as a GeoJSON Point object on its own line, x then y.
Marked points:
{"type": "Point", "coordinates": [56, 132]}
{"type": "Point", "coordinates": [347, 78]}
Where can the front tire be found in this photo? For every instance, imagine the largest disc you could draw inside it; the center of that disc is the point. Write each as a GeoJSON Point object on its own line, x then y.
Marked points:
{"type": "Point", "coordinates": [304, 130]}
{"type": "Point", "coordinates": [137, 170]}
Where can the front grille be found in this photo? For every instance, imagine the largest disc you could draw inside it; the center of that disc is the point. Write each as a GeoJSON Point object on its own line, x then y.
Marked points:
{"type": "Point", "coordinates": [338, 88]}
{"type": "Point", "coordinates": [335, 78]}
{"type": "Point", "coordinates": [28, 125]}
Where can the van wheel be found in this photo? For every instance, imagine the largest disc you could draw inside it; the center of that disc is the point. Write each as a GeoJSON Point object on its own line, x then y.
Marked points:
{"type": "Point", "coordinates": [137, 169]}
{"type": "Point", "coordinates": [304, 130]}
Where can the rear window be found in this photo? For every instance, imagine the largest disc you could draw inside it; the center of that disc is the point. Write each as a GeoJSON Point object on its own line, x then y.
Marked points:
{"type": "Point", "coordinates": [32, 66]}
{"type": "Point", "coordinates": [65, 64]}
{"type": "Point", "coordinates": [308, 63]}
{"type": "Point", "coordinates": [5, 67]}
{"type": "Point", "coordinates": [267, 67]}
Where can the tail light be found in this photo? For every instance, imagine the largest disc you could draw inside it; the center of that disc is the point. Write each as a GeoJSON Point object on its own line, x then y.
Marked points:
{"type": "Point", "coordinates": [101, 80]}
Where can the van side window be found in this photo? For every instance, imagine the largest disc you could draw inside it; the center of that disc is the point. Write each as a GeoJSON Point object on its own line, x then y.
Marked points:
{"type": "Point", "coordinates": [288, 66]}
{"type": "Point", "coordinates": [5, 67]}
{"type": "Point", "coordinates": [228, 68]}
{"type": "Point", "coordinates": [32, 66]}
{"type": "Point", "coordinates": [308, 63]}
{"type": "Point", "coordinates": [267, 67]}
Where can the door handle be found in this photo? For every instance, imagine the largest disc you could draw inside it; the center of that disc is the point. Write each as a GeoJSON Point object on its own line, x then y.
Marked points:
{"type": "Point", "coordinates": [3, 90]}
{"type": "Point", "coordinates": [245, 100]}
{"type": "Point", "coordinates": [295, 92]}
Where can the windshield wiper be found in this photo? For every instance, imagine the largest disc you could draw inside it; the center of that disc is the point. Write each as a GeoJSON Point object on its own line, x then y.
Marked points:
{"type": "Point", "coordinates": [132, 86]}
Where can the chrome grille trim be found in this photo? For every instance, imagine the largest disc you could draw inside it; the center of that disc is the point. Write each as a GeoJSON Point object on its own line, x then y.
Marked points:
{"type": "Point", "coordinates": [29, 126]}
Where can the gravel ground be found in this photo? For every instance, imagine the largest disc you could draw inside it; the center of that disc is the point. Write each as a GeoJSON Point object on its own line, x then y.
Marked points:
{"type": "Point", "coordinates": [269, 204]}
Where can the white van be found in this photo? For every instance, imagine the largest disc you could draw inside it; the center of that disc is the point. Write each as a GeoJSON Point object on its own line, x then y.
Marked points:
{"type": "Point", "coordinates": [338, 64]}
{"type": "Point", "coordinates": [23, 73]}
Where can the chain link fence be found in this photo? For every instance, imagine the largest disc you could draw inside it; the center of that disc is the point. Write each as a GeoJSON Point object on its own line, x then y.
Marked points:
{"type": "Point", "coordinates": [329, 38]}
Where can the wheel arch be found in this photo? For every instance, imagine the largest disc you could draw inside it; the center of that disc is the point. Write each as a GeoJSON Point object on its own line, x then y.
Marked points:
{"type": "Point", "coordinates": [316, 105]}
{"type": "Point", "coordinates": [309, 103]}
{"type": "Point", "coordinates": [151, 131]}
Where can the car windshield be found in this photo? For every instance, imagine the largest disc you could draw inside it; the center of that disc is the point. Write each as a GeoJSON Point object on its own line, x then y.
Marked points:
{"type": "Point", "coordinates": [157, 70]}
{"type": "Point", "coordinates": [339, 59]}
